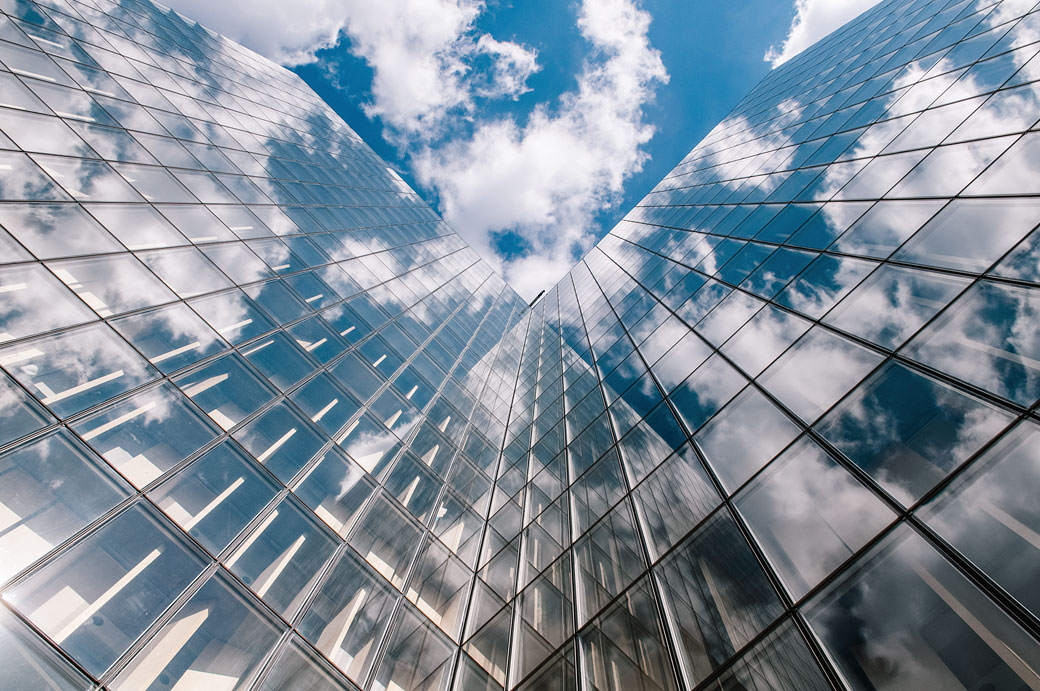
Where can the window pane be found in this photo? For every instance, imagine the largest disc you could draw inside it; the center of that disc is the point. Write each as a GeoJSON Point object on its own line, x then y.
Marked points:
{"type": "Point", "coordinates": [138, 226]}
{"type": "Point", "coordinates": [948, 169]}
{"type": "Point", "coordinates": [778, 662]}
{"type": "Point", "coordinates": [89, 181]}
{"type": "Point", "coordinates": [76, 369]}
{"type": "Point", "coordinates": [10, 250]}
{"type": "Point", "coordinates": [893, 303]}
{"type": "Point", "coordinates": [226, 389]}
{"type": "Point", "coordinates": [216, 640]}
{"type": "Point", "coordinates": [557, 675]}
{"type": "Point", "coordinates": [29, 663]}
{"type": "Point", "coordinates": [216, 496]}
{"type": "Point", "coordinates": [296, 666]}
{"type": "Point", "coordinates": [414, 486]}
{"type": "Point", "coordinates": [99, 595]}
{"type": "Point", "coordinates": [458, 527]}
{"type": "Point", "coordinates": [595, 492]}
{"type": "Point", "coordinates": [736, 455]}
{"type": "Point", "coordinates": [112, 284]}
{"type": "Point", "coordinates": [978, 339]}
{"type": "Point", "coordinates": [716, 594]}
{"type": "Point", "coordinates": [809, 514]}
{"type": "Point", "coordinates": [186, 271]}
{"type": "Point", "coordinates": [823, 283]}
{"type": "Point", "coordinates": [21, 179]}
{"type": "Point", "coordinates": [991, 515]}
{"type": "Point", "coordinates": [728, 317]}
{"type": "Point", "coordinates": [817, 371]}
{"type": "Point", "coordinates": [51, 488]}
{"type": "Point", "coordinates": [325, 403]}
{"type": "Point", "coordinates": [705, 391]}
{"type": "Point", "coordinates": [238, 262]}
{"type": "Point", "coordinates": [908, 431]}
{"type": "Point", "coordinates": [884, 228]}
{"type": "Point", "coordinates": [233, 316]}
{"type": "Point", "coordinates": [387, 539]}
{"type": "Point", "coordinates": [155, 184]}
{"type": "Point", "coordinates": [625, 647]}
{"type": "Point", "coordinates": [147, 434]}
{"type": "Point", "coordinates": [56, 230]}
{"type": "Point", "coordinates": [763, 338]}
{"type": "Point", "coordinates": [20, 413]}
{"type": "Point", "coordinates": [33, 301]}
{"type": "Point", "coordinates": [417, 657]}
{"type": "Point", "coordinates": [349, 615]}
{"type": "Point", "coordinates": [336, 489]}
{"type": "Point", "coordinates": [684, 357]}
{"type": "Point", "coordinates": [170, 337]}
{"type": "Point", "coordinates": [472, 677]}
{"type": "Point", "coordinates": [196, 223]}
{"type": "Point", "coordinates": [1023, 262]}
{"type": "Point", "coordinates": [607, 560]}
{"type": "Point", "coordinates": [439, 586]}
{"type": "Point", "coordinates": [278, 359]}
{"type": "Point", "coordinates": [281, 441]}
{"type": "Point", "coordinates": [674, 499]}
{"type": "Point", "coordinates": [878, 624]}
{"type": "Point", "coordinates": [314, 336]}
{"type": "Point", "coordinates": [282, 558]}
{"type": "Point", "coordinates": [952, 240]}
{"type": "Point", "coordinates": [1013, 173]}
{"type": "Point", "coordinates": [372, 446]}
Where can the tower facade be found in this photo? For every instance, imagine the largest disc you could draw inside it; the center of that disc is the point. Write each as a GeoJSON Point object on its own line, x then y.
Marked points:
{"type": "Point", "coordinates": [268, 422]}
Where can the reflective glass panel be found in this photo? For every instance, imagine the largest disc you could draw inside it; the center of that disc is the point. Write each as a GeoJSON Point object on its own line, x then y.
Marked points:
{"type": "Point", "coordinates": [51, 488]}
{"type": "Point", "coordinates": [809, 515]}
{"type": "Point", "coordinates": [99, 595]}
{"type": "Point", "coordinates": [909, 431]}
{"type": "Point", "coordinates": [217, 640]}
{"type": "Point", "coordinates": [216, 496]}
{"type": "Point", "coordinates": [281, 559]}
{"type": "Point", "coordinates": [348, 617]}
{"type": "Point", "coordinates": [990, 513]}
{"type": "Point", "coordinates": [76, 369]}
{"type": "Point", "coordinates": [877, 624]}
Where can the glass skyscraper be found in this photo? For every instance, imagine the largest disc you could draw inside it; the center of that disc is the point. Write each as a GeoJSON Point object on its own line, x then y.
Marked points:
{"type": "Point", "coordinates": [266, 422]}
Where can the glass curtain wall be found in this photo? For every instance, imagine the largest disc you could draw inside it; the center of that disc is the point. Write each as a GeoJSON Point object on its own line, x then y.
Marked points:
{"type": "Point", "coordinates": [778, 430]}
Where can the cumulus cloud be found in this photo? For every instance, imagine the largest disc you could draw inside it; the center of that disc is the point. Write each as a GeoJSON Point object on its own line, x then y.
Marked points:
{"type": "Point", "coordinates": [511, 65]}
{"type": "Point", "coordinates": [288, 32]}
{"type": "Point", "coordinates": [542, 178]}
{"type": "Point", "coordinates": [421, 51]}
{"type": "Point", "coordinates": [813, 20]}
{"type": "Point", "coordinates": [545, 180]}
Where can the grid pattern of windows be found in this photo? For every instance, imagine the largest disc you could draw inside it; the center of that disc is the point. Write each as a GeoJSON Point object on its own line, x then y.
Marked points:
{"type": "Point", "coordinates": [777, 430]}
{"type": "Point", "coordinates": [243, 374]}
{"type": "Point", "coordinates": [268, 423]}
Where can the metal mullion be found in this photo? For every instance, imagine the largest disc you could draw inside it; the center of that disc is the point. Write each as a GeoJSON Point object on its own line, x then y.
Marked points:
{"type": "Point", "coordinates": [467, 607]}
{"type": "Point", "coordinates": [996, 594]}
{"type": "Point", "coordinates": [883, 352]}
{"type": "Point", "coordinates": [663, 627]}
{"type": "Point", "coordinates": [728, 507]}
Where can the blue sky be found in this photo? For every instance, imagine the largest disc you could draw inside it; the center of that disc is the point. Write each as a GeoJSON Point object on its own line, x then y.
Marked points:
{"type": "Point", "coordinates": [531, 126]}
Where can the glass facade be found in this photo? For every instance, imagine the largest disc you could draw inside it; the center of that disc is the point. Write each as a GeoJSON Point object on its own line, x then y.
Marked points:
{"type": "Point", "coordinates": [268, 422]}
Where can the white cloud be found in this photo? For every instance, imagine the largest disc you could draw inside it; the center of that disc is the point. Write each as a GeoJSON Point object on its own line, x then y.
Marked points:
{"type": "Point", "coordinates": [420, 51]}
{"type": "Point", "coordinates": [546, 179]}
{"type": "Point", "coordinates": [288, 32]}
{"type": "Point", "coordinates": [813, 20]}
{"type": "Point", "coordinates": [512, 64]}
